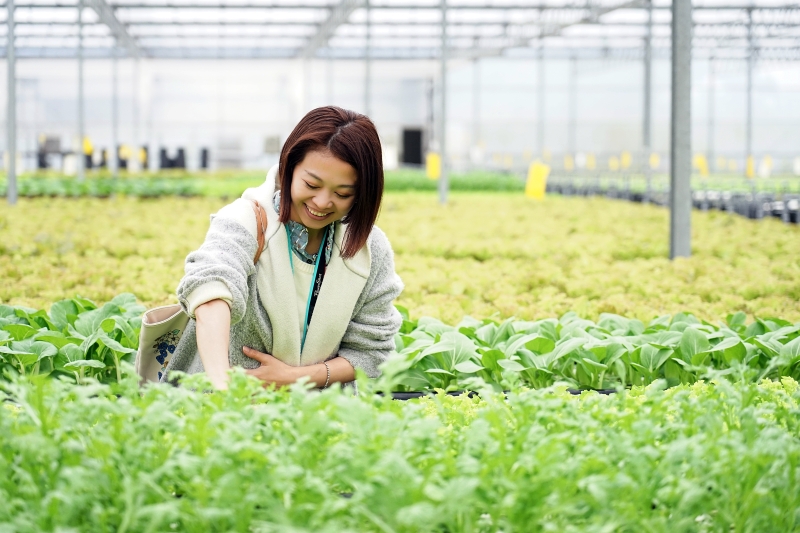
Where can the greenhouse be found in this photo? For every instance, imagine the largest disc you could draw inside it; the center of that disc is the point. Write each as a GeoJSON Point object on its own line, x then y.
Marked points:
{"type": "Point", "coordinates": [400, 266]}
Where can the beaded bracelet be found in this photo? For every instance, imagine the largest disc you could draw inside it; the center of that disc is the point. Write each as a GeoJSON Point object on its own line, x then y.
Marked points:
{"type": "Point", "coordinates": [328, 378]}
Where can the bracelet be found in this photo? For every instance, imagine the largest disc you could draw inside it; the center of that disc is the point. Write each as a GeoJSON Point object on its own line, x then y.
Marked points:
{"type": "Point", "coordinates": [328, 378]}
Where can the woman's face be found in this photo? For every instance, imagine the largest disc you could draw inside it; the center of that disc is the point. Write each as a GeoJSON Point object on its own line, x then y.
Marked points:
{"type": "Point", "coordinates": [323, 189]}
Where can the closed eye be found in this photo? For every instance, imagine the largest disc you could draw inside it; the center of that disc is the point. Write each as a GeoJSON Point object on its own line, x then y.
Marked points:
{"type": "Point", "coordinates": [315, 187]}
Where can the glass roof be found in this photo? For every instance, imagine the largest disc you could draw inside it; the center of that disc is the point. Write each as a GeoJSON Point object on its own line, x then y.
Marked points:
{"type": "Point", "coordinates": [397, 28]}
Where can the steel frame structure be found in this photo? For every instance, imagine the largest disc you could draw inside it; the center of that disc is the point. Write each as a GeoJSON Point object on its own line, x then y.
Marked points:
{"type": "Point", "coordinates": [403, 30]}
{"type": "Point", "coordinates": [430, 29]}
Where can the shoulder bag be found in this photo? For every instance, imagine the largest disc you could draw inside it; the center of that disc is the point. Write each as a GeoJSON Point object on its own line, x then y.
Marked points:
{"type": "Point", "coordinates": [162, 327]}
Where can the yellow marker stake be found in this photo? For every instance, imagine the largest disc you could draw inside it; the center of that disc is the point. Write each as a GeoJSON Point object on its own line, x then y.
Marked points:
{"type": "Point", "coordinates": [537, 180]}
{"type": "Point", "coordinates": [701, 164]}
{"type": "Point", "coordinates": [625, 160]}
{"type": "Point", "coordinates": [569, 163]}
{"type": "Point", "coordinates": [655, 161]}
{"type": "Point", "coordinates": [433, 165]}
{"type": "Point", "coordinates": [765, 168]}
{"type": "Point", "coordinates": [750, 168]}
{"type": "Point", "coordinates": [613, 163]}
{"type": "Point", "coordinates": [88, 147]}
{"type": "Point", "coordinates": [591, 162]}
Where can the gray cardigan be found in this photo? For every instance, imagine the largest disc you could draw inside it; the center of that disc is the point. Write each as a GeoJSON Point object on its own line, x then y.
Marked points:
{"type": "Point", "coordinates": [354, 318]}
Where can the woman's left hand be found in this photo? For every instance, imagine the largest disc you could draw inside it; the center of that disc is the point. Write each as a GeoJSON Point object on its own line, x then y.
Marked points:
{"type": "Point", "coordinates": [271, 370]}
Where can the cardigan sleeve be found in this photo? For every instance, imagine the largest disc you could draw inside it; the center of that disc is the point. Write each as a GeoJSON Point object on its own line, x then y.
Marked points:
{"type": "Point", "coordinates": [220, 267]}
{"type": "Point", "coordinates": [369, 338]}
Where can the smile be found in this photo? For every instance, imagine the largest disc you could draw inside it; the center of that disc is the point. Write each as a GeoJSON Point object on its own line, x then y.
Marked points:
{"type": "Point", "coordinates": [315, 214]}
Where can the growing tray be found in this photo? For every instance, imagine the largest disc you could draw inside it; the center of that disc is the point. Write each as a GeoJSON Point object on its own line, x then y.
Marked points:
{"type": "Point", "coordinates": [402, 396]}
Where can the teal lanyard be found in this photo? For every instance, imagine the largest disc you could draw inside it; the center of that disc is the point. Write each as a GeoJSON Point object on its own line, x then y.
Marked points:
{"type": "Point", "coordinates": [314, 279]}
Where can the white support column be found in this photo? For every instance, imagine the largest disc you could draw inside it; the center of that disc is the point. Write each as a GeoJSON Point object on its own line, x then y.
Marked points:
{"type": "Point", "coordinates": [329, 78]}
{"type": "Point", "coordinates": [443, 185]}
{"type": "Point", "coordinates": [540, 97]}
{"type": "Point", "coordinates": [648, 105]}
{"type": "Point", "coordinates": [430, 115]}
{"type": "Point", "coordinates": [680, 201]}
{"type": "Point", "coordinates": [711, 112]}
{"type": "Point", "coordinates": [11, 193]}
{"type": "Point", "coordinates": [750, 64]}
{"type": "Point", "coordinates": [136, 141]}
{"type": "Point", "coordinates": [476, 103]}
{"type": "Point", "coordinates": [113, 153]}
{"type": "Point", "coordinates": [572, 125]}
{"type": "Point", "coordinates": [81, 157]}
{"type": "Point", "coordinates": [306, 86]}
{"type": "Point", "coordinates": [368, 64]}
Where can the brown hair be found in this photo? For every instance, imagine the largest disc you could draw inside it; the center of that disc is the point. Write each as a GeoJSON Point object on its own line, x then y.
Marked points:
{"type": "Point", "coordinates": [352, 138]}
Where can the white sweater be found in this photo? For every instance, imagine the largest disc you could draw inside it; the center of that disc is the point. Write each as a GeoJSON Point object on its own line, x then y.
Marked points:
{"type": "Point", "coordinates": [354, 317]}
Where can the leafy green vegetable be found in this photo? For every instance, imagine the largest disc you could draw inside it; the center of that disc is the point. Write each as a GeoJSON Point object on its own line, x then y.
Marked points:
{"type": "Point", "coordinates": [614, 352]}
{"type": "Point", "coordinates": [85, 340]}
{"type": "Point", "coordinates": [76, 339]}
{"type": "Point", "coordinates": [705, 457]}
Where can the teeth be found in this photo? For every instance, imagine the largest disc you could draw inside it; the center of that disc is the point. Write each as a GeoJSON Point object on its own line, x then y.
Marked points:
{"type": "Point", "coordinates": [315, 213]}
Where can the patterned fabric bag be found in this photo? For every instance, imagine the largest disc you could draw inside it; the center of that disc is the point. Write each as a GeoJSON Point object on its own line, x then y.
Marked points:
{"type": "Point", "coordinates": [163, 327]}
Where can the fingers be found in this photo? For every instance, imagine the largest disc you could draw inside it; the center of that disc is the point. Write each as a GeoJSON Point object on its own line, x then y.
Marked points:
{"type": "Point", "coordinates": [255, 354]}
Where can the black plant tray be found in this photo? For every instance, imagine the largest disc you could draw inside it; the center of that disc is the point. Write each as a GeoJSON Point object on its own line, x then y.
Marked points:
{"type": "Point", "coordinates": [402, 396]}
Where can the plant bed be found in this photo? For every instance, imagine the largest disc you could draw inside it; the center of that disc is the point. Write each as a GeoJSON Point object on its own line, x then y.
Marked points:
{"type": "Point", "coordinates": [79, 339]}
{"type": "Point", "coordinates": [413, 395]}
{"type": "Point", "coordinates": [614, 352]}
{"type": "Point", "coordinates": [752, 206]}
{"type": "Point", "coordinates": [705, 457]}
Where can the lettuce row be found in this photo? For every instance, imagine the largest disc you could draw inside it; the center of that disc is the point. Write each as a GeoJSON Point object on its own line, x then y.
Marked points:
{"type": "Point", "coordinates": [77, 338]}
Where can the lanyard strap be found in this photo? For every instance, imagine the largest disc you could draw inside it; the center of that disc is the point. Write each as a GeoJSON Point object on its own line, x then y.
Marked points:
{"type": "Point", "coordinates": [316, 284]}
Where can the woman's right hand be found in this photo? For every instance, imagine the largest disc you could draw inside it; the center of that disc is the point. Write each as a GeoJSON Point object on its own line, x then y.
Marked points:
{"type": "Point", "coordinates": [213, 339]}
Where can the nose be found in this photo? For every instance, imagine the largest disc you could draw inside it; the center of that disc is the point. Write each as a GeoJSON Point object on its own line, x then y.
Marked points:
{"type": "Point", "coordinates": [324, 200]}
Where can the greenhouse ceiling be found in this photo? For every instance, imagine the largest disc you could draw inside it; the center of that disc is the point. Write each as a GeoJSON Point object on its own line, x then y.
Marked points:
{"type": "Point", "coordinates": [401, 29]}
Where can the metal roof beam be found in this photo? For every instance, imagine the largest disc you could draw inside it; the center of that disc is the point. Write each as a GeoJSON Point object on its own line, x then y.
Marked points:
{"type": "Point", "coordinates": [426, 53]}
{"type": "Point", "coordinates": [228, 38]}
{"type": "Point", "coordinates": [228, 24]}
{"type": "Point", "coordinates": [532, 30]}
{"type": "Point", "coordinates": [338, 16]}
{"type": "Point", "coordinates": [106, 15]}
{"type": "Point", "coordinates": [494, 7]}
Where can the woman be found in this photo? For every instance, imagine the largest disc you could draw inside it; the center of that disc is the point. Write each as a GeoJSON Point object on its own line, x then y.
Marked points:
{"type": "Point", "coordinates": [319, 301]}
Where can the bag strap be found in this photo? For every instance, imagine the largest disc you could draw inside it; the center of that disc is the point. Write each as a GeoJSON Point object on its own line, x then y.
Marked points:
{"type": "Point", "coordinates": [261, 225]}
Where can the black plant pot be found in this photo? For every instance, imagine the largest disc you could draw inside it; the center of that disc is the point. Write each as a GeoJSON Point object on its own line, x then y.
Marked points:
{"type": "Point", "coordinates": [576, 392]}
{"type": "Point", "coordinates": [403, 396]}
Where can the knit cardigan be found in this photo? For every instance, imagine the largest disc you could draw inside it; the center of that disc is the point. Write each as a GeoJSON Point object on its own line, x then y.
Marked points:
{"type": "Point", "coordinates": [354, 317]}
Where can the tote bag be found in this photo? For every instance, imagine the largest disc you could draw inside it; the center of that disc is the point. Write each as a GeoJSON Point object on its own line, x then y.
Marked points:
{"type": "Point", "coordinates": [163, 327]}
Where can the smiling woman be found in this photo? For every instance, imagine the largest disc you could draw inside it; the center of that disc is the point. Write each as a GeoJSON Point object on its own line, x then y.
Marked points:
{"type": "Point", "coordinates": [323, 189]}
{"type": "Point", "coordinates": [318, 302]}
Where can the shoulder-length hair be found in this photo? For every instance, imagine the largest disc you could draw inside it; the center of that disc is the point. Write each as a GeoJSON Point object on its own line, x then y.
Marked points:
{"type": "Point", "coordinates": [352, 138]}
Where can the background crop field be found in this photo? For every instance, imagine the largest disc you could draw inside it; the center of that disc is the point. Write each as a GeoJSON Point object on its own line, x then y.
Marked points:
{"type": "Point", "coordinates": [484, 254]}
